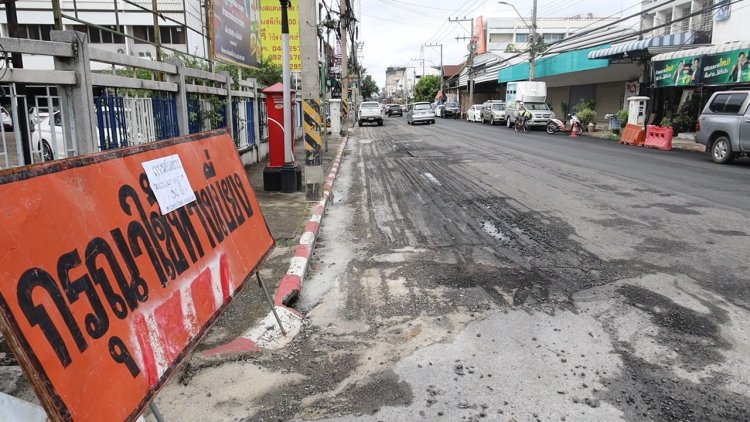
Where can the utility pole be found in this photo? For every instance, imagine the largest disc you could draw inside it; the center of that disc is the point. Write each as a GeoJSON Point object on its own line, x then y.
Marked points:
{"type": "Point", "coordinates": [157, 32]}
{"type": "Point", "coordinates": [344, 67]}
{"type": "Point", "coordinates": [288, 171]}
{"type": "Point", "coordinates": [532, 53]}
{"type": "Point", "coordinates": [472, 49]}
{"type": "Point", "coordinates": [441, 63]}
{"type": "Point", "coordinates": [311, 107]}
{"type": "Point", "coordinates": [423, 61]}
{"type": "Point", "coordinates": [532, 34]}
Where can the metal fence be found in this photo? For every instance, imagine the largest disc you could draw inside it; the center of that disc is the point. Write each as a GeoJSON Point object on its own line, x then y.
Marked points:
{"type": "Point", "coordinates": [59, 103]}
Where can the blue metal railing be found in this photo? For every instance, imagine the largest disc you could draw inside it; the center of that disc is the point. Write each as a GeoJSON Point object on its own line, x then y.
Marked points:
{"type": "Point", "coordinates": [165, 117]}
{"type": "Point", "coordinates": [250, 124]}
{"type": "Point", "coordinates": [111, 123]}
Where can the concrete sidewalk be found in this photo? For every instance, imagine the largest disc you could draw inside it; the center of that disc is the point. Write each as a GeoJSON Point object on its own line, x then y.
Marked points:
{"type": "Point", "coordinates": [683, 141]}
{"type": "Point", "coordinates": [288, 217]}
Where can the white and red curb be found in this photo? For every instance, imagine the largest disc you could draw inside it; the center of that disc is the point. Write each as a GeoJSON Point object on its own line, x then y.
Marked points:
{"type": "Point", "coordinates": [267, 334]}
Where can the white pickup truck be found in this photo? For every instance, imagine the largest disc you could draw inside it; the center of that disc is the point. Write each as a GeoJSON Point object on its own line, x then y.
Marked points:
{"type": "Point", "coordinates": [369, 111]}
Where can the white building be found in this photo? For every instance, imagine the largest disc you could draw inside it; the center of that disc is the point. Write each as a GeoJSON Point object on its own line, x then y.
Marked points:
{"type": "Point", "coordinates": [505, 34]}
{"type": "Point", "coordinates": [181, 25]}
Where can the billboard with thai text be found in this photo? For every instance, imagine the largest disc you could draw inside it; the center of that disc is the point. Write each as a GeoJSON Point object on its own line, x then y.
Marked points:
{"type": "Point", "coordinates": [271, 33]}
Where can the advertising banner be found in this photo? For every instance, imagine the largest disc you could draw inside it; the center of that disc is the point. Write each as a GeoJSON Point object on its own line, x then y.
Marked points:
{"type": "Point", "coordinates": [685, 71]}
{"type": "Point", "coordinates": [726, 68]}
{"type": "Point", "coordinates": [237, 32]}
{"type": "Point", "coordinates": [479, 36]}
{"type": "Point", "coordinates": [113, 266]}
{"type": "Point", "coordinates": [271, 33]}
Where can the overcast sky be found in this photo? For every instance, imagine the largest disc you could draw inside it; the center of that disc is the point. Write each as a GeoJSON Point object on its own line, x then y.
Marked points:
{"type": "Point", "coordinates": [393, 31]}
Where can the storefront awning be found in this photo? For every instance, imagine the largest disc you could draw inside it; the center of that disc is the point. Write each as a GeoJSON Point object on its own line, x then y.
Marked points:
{"type": "Point", "coordinates": [556, 64]}
{"type": "Point", "coordinates": [679, 40]}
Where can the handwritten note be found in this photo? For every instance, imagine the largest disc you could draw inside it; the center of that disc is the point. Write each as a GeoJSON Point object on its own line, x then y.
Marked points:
{"type": "Point", "coordinates": [169, 182]}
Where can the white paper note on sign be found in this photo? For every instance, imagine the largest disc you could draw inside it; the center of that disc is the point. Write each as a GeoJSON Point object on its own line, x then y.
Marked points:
{"type": "Point", "coordinates": [169, 182]}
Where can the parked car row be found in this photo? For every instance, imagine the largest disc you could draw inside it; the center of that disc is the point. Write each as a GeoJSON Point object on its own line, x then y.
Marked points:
{"type": "Point", "coordinates": [723, 125]}
{"type": "Point", "coordinates": [492, 112]}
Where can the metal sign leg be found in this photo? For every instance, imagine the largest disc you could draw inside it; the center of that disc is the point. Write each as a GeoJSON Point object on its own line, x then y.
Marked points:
{"type": "Point", "coordinates": [155, 412]}
{"type": "Point", "coordinates": [270, 302]}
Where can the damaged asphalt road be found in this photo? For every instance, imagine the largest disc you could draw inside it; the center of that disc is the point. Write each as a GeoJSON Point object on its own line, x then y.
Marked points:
{"type": "Point", "coordinates": [467, 272]}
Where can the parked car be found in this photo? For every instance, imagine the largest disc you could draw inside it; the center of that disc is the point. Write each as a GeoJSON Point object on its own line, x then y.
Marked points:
{"type": "Point", "coordinates": [369, 112]}
{"type": "Point", "coordinates": [725, 126]}
{"type": "Point", "coordinates": [420, 112]}
{"type": "Point", "coordinates": [493, 111]}
{"type": "Point", "coordinates": [49, 138]}
{"type": "Point", "coordinates": [474, 113]}
{"type": "Point", "coordinates": [439, 110]}
{"type": "Point", "coordinates": [394, 109]}
{"type": "Point", "coordinates": [450, 110]}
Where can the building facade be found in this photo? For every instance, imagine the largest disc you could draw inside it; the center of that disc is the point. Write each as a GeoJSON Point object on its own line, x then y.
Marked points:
{"type": "Point", "coordinates": [116, 26]}
{"type": "Point", "coordinates": [512, 35]}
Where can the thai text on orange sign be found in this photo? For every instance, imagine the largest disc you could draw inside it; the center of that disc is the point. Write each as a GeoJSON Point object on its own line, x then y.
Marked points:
{"type": "Point", "coordinates": [102, 295]}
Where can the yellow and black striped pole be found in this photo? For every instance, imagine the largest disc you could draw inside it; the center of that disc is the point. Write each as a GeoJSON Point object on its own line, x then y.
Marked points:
{"type": "Point", "coordinates": [313, 121]}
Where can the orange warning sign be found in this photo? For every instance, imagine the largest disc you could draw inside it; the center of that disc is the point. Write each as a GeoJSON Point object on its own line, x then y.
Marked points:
{"type": "Point", "coordinates": [102, 295]}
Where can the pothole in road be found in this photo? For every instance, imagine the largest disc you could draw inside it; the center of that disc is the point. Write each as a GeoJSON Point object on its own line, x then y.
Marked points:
{"type": "Point", "coordinates": [493, 231]}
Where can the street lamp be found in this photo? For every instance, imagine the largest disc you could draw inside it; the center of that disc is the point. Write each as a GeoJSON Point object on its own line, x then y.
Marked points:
{"type": "Point", "coordinates": [532, 29]}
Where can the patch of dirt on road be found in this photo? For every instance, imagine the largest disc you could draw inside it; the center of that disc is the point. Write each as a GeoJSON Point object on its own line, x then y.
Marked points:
{"type": "Point", "coordinates": [648, 391]}
{"type": "Point", "coordinates": [693, 336]}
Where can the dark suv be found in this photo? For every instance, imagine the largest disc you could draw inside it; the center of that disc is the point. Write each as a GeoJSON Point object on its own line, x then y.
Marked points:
{"type": "Point", "coordinates": [394, 109]}
{"type": "Point", "coordinates": [450, 110]}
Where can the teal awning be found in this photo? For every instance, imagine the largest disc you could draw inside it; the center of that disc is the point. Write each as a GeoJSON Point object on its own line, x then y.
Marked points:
{"type": "Point", "coordinates": [571, 61]}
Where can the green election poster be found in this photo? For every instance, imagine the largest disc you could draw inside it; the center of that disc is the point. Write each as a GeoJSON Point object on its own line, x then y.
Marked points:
{"type": "Point", "coordinates": [726, 68]}
{"type": "Point", "coordinates": [685, 71]}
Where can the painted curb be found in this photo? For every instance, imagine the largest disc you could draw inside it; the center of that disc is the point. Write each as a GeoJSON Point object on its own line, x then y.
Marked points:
{"type": "Point", "coordinates": [267, 334]}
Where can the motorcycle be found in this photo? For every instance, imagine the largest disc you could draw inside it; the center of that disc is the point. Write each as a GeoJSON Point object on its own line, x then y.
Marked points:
{"type": "Point", "coordinates": [573, 124]}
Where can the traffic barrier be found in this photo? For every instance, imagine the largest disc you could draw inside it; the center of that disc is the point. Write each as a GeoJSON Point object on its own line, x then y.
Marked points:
{"type": "Point", "coordinates": [633, 135]}
{"type": "Point", "coordinates": [658, 137]}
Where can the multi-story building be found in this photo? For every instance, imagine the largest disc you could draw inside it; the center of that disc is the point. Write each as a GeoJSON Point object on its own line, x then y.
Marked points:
{"type": "Point", "coordinates": [395, 82]}
{"type": "Point", "coordinates": [508, 42]}
{"type": "Point", "coordinates": [694, 16]}
{"type": "Point", "coordinates": [713, 56]}
{"type": "Point", "coordinates": [512, 35]}
{"type": "Point", "coordinates": [116, 26]}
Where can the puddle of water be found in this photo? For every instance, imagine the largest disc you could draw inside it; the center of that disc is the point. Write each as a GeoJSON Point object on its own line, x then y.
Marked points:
{"type": "Point", "coordinates": [493, 231]}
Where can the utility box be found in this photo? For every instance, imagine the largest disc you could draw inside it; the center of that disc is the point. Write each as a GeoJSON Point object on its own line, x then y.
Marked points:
{"type": "Point", "coordinates": [272, 174]}
{"type": "Point", "coordinates": [335, 115]}
{"type": "Point", "coordinates": [637, 110]}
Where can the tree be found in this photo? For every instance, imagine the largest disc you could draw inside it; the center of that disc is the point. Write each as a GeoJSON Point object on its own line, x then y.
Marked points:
{"type": "Point", "coordinates": [268, 74]}
{"type": "Point", "coordinates": [427, 88]}
{"type": "Point", "coordinates": [369, 87]}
